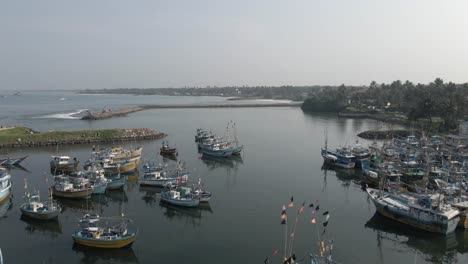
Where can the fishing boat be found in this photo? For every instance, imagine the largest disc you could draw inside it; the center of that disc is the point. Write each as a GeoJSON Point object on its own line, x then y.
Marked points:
{"type": "Point", "coordinates": [115, 168]}
{"type": "Point", "coordinates": [203, 194]}
{"type": "Point", "coordinates": [116, 182]}
{"type": "Point", "coordinates": [342, 158]}
{"type": "Point", "coordinates": [11, 161]}
{"type": "Point", "coordinates": [462, 206]}
{"type": "Point", "coordinates": [202, 135]}
{"type": "Point", "coordinates": [426, 212]}
{"type": "Point", "coordinates": [95, 232]}
{"type": "Point", "coordinates": [180, 196]}
{"type": "Point", "coordinates": [217, 150]}
{"type": "Point", "coordinates": [37, 209]}
{"type": "Point", "coordinates": [96, 177]}
{"type": "Point", "coordinates": [124, 154]}
{"type": "Point", "coordinates": [166, 149]}
{"type": "Point", "coordinates": [71, 187]}
{"type": "Point", "coordinates": [360, 153]}
{"type": "Point", "coordinates": [63, 165]}
{"type": "Point", "coordinates": [162, 178]}
{"type": "Point", "coordinates": [5, 184]}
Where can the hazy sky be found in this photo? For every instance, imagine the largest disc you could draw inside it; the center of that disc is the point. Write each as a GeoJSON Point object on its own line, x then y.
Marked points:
{"type": "Point", "coordinates": [107, 44]}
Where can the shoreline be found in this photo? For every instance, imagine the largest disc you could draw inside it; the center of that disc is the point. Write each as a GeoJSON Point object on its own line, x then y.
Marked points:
{"type": "Point", "coordinates": [23, 137]}
{"type": "Point", "coordinates": [125, 111]}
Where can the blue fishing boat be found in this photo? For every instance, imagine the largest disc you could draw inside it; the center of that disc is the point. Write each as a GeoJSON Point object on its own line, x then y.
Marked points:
{"type": "Point", "coordinates": [116, 182]}
{"type": "Point", "coordinates": [342, 158]}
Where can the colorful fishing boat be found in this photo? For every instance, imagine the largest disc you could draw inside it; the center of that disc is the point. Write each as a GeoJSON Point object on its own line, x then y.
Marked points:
{"type": "Point", "coordinates": [70, 187]}
{"type": "Point", "coordinates": [115, 168]}
{"type": "Point", "coordinates": [95, 233]}
{"type": "Point", "coordinates": [5, 184]}
{"type": "Point", "coordinates": [63, 165]}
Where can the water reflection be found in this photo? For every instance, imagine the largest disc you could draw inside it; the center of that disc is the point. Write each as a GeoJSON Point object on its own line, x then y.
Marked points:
{"type": "Point", "coordinates": [190, 215]}
{"type": "Point", "coordinates": [133, 177]}
{"type": "Point", "coordinates": [432, 247]}
{"type": "Point", "coordinates": [346, 176]}
{"type": "Point", "coordinates": [52, 228]}
{"type": "Point", "coordinates": [151, 195]}
{"type": "Point", "coordinates": [96, 255]}
{"type": "Point", "coordinates": [5, 206]}
{"type": "Point", "coordinates": [77, 205]}
{"type": "Point", "coordinates": [232, 162]}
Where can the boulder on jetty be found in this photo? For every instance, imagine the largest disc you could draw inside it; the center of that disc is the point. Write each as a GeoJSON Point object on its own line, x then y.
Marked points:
{"type": "Point", "coordinates": [383, 134]}
{"type": "Point", "coordinates": [22, 136]}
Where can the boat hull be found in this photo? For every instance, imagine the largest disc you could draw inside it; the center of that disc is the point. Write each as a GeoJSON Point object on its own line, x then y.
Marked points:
{"type": "Point", "coordinates": [122, 169]}
{"type": "Point", "coordinates": [463, 223]}
{"type": "Point", "coordinates": [394, 214]}
{"type": "Point", "coordinates": [73, 195]}
{"type": "Point", "coordinates": [64, 168]}
{"type": "Point", "coordinates": [41, 216]}
{"type": "Point", "coordinates": [100, 189]}
{"type": "Point", "coordinates": [5, 193]}
{"type": "Point", "coordinates": [154, 183]}
{"type": "Point", "coordinates": [214, 153]}
{"type": "Point", "coordinates": [126, 241]}
{"type": "Point", "coordinates": [183, 203]}
{"type": "Point", "coordinates": [116, 183]}
{"type": "Point", "coordinates": [236, 150]}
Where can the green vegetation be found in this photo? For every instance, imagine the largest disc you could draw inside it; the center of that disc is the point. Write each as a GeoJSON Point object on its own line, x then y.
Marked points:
{"type": "Point", "coordinates": [25, 135]}
{"type": "Point", "coordinates": [436, 106]}
{"type": "Point", "coordinates": [295, 93]}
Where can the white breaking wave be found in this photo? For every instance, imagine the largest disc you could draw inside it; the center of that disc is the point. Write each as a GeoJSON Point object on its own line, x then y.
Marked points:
{"type": "Point", "coordinates": [71, 115]}
{"type": "Point", "coordinates": [273, 101]}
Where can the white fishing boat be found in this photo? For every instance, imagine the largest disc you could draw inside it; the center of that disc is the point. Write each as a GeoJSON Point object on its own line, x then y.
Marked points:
{"type": "Point", "coordinates": [181, 196]}
{"type": "Point", "coordinates": [426, 212]}
{"type": "Point", "coordinates": [37, 209]}
{"type": "Point", "coordinates": [5, 184]}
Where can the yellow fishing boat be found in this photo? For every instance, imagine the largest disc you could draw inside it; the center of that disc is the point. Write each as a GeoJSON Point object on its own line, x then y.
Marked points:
{"type": "Point", "coordinates": [93, 234]}
{"type": "Point", "coordinates": [121, 167]}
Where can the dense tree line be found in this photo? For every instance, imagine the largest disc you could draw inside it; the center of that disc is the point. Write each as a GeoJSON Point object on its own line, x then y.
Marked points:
{"type": "Point", "coordinates": [421, 101]}
{"type": "Point", "coordinates": [297, 93]}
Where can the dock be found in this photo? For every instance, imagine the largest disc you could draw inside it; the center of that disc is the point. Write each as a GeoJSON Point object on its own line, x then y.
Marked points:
{"type": "Point", "coordinates": [125, 111]}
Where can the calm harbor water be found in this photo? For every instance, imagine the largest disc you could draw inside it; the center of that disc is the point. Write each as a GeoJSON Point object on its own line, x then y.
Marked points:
{"type": "Point", "coordinates": [242, 224]}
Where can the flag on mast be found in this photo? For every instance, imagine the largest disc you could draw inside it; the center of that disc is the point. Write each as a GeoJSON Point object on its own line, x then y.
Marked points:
{"type": "Point", "coordinates": [291, 204]}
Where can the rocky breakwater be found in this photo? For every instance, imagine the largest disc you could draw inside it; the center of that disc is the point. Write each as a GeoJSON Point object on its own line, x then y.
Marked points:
{"type": "Point", "coordinates": [23, 137]}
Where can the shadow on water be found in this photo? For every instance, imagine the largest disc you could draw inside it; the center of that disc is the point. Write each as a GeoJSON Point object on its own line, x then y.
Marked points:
{"type": "Point", "coordinates": [96, 255]}
{"type": "Point", "coordinates": [189, 215]}
{"type": "Point", "coordinates": [5, 206]}
{"type": "Point", "coordinates": [346, 176]}
{"type": "Point", "coordinates": [433, 247]}
{"type": "Point", "coordinates": [52, 227]}
{"type": "Point", "coordinates": [151, 195]}
{"type": "Point", "coordinates": [16, 167]}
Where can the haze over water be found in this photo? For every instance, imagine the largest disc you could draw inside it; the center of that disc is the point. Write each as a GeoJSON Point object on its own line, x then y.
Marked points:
{"type": "Point", "coordinates": [242, 225]}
